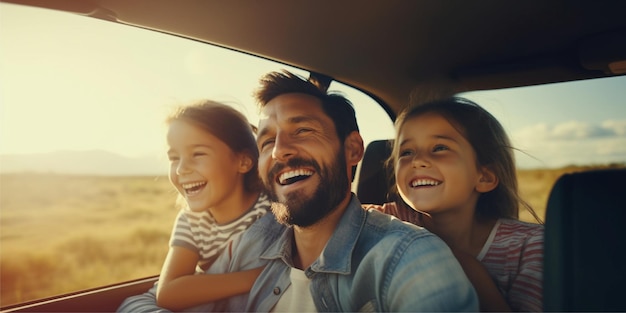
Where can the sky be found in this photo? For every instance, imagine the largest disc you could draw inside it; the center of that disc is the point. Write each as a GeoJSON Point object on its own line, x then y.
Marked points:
{"type": "Point", "coordinates": [73, 83]}
{"type": "Point", "coordinates": [575, 123]}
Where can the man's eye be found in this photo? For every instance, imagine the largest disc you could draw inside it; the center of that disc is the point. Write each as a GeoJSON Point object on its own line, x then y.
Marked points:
{"type": "Point", "coordinates": [266, 143]}
{"type": "Point", "coordinates": [303, 130]}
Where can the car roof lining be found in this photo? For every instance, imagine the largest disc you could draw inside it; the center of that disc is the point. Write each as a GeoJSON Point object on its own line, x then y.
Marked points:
{"type": "Point", "coordinates": [400, 51]}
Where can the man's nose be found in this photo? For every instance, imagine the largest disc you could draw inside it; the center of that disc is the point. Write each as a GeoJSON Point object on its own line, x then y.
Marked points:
{"type": "Point", "coordinates": [283, 148]}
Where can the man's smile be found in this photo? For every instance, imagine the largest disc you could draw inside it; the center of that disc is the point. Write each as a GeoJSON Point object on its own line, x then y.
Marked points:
{"type": "Point", "coordinates": [293, 176]}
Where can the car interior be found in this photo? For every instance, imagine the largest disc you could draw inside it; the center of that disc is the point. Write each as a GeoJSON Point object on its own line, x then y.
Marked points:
{"type": "Point", "coordinates": [408, 52]}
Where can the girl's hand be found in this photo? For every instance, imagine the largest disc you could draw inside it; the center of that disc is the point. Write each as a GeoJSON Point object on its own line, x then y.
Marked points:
{"type": "Point", "coordinates": [373, 206]}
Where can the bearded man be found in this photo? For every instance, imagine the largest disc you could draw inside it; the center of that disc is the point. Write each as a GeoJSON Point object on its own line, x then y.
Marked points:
{"type": "Point", "coordinates": [320, 250]}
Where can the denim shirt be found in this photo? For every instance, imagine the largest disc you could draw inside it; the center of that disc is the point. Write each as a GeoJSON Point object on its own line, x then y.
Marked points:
{"type": "Point", "coordinates": [372, 263]}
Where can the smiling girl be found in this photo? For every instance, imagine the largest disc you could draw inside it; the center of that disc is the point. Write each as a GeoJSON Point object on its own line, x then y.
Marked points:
{"type": "Point", "coordinates": [213, 165]}
{"type": "Point", "coordinates": [454, 167]}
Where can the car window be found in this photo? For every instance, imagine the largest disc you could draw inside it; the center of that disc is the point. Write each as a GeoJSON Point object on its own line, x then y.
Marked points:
{"type": "Point", "coordinates": [84, 195]}
{"type": "Point", "coordinates": [560, 128]}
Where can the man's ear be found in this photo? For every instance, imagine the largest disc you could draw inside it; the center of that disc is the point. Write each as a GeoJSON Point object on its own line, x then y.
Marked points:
{"type": "Point", "coordinates": [353, 148]}
{"type": "Point", "coordinates": [487, 180]}
{"type": "Point", "coordinates": [245, 163]}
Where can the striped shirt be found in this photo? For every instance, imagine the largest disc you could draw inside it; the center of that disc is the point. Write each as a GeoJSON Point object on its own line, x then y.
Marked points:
{"type": "Point", "coordinates": [200, 232]}
{"type": "Point", "coordinates": [512, 254]}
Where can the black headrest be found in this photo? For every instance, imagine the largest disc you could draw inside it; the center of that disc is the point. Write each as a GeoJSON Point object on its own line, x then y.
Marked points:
{"type": "Point", "coordinates": [585, 243]}
{"type": "Point", "coordinates": [373, 185]}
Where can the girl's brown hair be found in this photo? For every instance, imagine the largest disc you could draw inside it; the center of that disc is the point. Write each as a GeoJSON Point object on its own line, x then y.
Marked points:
{"type": "Point", "coordinates": [492, 147]}
{"type": "Point", "coordinates": [229, 126]}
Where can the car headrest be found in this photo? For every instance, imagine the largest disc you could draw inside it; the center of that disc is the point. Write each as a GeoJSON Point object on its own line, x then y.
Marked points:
{"type": "Point", "coordinates": [585, 243]}
{"type": "Point", "coordinates": [373, 185]}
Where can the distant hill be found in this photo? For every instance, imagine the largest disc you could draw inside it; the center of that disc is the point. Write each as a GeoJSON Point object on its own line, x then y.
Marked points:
{"type": "Point", "coordinates": [92, 162]}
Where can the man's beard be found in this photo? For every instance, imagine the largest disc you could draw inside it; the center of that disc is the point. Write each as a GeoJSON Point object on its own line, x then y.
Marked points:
{"type": "Point", "coordinates": [299, 210]}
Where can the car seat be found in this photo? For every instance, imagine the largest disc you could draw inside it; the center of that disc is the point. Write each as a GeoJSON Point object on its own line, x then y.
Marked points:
{"type": "Point", "coordinates": [585, 243]}
{"type": "Point", "coordinates": [373, 184]}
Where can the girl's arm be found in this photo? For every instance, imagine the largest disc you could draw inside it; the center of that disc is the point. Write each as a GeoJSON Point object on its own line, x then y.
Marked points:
{"type": "Point", "coordinates": [400, 211]}
{"type": "Point", "coordinates": [179, 288]}
{"type": "Point", "coordinates": [489, 297]}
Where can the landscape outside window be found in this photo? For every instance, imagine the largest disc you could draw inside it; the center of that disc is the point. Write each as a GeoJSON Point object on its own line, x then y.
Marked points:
{"type": "Point", "coordinates": [560, 128]}
{"type": "Point", "coordinates": [84, 195]}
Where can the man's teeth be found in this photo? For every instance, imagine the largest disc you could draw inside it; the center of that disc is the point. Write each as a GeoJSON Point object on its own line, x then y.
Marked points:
{"type": "Point", "coordinates": [424, 182]}
{"type": "Point", "coordinates": [284, 177]}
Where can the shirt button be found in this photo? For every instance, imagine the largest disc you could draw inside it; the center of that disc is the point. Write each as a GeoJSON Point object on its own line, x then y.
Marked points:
{"type": "Point", "coordinates": [276, 290]}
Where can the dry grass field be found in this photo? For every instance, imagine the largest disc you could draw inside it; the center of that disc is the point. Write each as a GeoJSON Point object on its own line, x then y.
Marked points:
{"type": "Point", "coordinates": [535, 186]}
{"type": "Point", "coordinates": [60, 233]}
{"type": "Point", "coordinates": [65, 233]}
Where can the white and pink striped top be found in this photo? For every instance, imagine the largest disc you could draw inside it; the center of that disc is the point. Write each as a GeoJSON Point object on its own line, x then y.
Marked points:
{"type": "Point", "coordinates": [513, 256]}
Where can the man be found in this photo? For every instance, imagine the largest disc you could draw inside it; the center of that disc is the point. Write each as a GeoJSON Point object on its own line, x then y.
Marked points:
{"type": "Point", "coordinates": [326, 253]}
{"type": "Point", "coordinates": [320, 249]}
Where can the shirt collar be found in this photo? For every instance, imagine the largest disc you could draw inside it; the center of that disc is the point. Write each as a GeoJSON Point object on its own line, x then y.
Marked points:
{"type": "Point", "coordinates": [337, 254]}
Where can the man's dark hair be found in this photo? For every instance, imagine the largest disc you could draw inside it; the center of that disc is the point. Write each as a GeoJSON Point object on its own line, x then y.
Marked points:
{"type": "Point", "coordinates": [335, 105]}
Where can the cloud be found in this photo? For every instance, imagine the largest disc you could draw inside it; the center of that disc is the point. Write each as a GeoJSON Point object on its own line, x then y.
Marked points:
{"type": "Point", "coordinates": [617, 126]}
{"type": "Point", "coordinates": [612, 147]}
{"type": "Point", "coordinates": [573, 142]}
{"type": "Point", "coordinates": [562, 153]}
{"type": "Point", "coordinates": [572, 130]}
{"type": "Point", "coordinates": [575, 130]}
